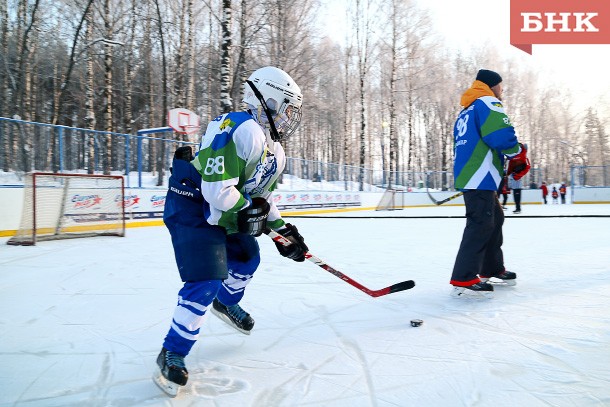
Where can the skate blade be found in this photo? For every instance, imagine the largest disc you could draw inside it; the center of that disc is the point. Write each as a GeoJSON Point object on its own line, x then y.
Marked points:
{"type": "Point", "coordinates": [168, 387]}
{"type": "Point", "coordinates": [226, 320]}
{"type": "Point", "coordinates": [461, 292]}
{"type": "Point", "coordinates": [500, 282]}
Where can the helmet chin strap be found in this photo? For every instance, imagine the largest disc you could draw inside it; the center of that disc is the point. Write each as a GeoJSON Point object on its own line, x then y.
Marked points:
{"type": "Point", "coordinates": [273, 130]}
{"type": "Point", "coordinates": [270, 142]}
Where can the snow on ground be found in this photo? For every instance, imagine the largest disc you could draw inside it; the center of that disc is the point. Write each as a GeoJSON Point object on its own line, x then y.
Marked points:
{"type": "Point", "coordinates": [83, 320]}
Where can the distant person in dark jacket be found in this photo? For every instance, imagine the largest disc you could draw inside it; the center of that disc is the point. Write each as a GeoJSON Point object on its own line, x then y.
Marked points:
{"type": "Point", "coordinates": [562, 191]}
{"type": "Point", "coordinates": [516, 185]}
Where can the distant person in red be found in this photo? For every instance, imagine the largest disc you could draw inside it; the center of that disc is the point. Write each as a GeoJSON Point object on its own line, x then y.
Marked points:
{"type": "Point", "coordinates": [562, 191]}
{"type": "Point", "coordinates": [545, 191]}
{"type": "Point", "coordinates": [554, 194]}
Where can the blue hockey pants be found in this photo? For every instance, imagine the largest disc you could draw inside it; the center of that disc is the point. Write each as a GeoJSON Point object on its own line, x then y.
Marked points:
{"type": "Point", "coordinates": [196, 297]}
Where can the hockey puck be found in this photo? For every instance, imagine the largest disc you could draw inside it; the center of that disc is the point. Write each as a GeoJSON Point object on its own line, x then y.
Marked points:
{"type": "Point", "coordinates": [416, 322]}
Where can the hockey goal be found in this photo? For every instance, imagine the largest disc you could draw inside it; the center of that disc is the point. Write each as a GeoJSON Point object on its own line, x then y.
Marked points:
{"type": "Point", "coordinates": [391, 200]}
{"type": "Point", "coordinates": [60, 206]}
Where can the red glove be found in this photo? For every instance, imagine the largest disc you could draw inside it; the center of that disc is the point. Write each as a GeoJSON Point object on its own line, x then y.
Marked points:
{"type": "Point", "coordinates": [521, 170]}
{"type": "Point", "coordinates": [519, 165]}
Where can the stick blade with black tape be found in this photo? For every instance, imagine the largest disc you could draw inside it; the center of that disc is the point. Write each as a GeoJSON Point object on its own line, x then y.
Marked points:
{"type": "Point", "coordinates": [394, 288]}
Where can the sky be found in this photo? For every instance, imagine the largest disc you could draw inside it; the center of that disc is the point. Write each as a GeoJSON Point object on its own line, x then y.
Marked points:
{"type": "Point", "coordinates": [83, 320]}
{"type": "Point", "coordinates": [473, 23]}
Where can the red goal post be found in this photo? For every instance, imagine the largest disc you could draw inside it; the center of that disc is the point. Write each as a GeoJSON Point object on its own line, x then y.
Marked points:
{"type": "Point", "coordinates": [61, 206]}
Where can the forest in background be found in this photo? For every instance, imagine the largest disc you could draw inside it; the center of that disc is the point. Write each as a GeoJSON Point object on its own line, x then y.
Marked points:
{"type": "Point", "coordinates": [384, 97]}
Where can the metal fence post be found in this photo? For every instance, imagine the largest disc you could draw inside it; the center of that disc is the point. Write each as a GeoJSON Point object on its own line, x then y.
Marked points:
{"type": "Point", "coordinates": [127, 158]}
{"type": "Point", "coordinates": [572, 184]}
{"type": "Point", "coordinates": [139, 161]}
{"type": "Point", "coordinates": [60, 132]}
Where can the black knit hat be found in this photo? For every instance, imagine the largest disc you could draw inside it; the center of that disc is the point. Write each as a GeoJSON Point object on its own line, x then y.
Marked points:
{"type": "Point", "coordinates": [490, 78]}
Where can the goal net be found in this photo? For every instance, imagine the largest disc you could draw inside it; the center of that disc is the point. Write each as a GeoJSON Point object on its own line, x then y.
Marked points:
{"type": "Point", "coordinates": [60, 206]}
{"type": "Point", "coordinates": [391, 200]}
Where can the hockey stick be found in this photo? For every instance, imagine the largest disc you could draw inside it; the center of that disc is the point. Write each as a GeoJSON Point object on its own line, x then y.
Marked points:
{"type": "Point", "coordinates": [438, 203]}
{"type": "Point", "coordinates": [394, 288]}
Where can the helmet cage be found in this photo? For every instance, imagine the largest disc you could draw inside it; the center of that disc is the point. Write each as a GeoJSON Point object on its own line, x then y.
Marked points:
{"type": "Point", "coordinates": [287, 119]}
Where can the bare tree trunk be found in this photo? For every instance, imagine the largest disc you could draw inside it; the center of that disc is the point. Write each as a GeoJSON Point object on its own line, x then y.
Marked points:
{"type": "Point", "coordinates": [279, 39]}
{"type": "Point", "coordinates": [393, 160]}
{"type": "Point", "coordinates": [240, 65]}
{"type": "Point", "coordinates": [65, 82]}
{"type": "Point", "coordinates": [4, 72]}
{"type": "Point", "coordinates": [161, 148]}
{"type": "Point", "coordinates": [411, 142]}
{"type": "Point", "coordinates": [226, 104]}
{"type": "Point", "coordinates": [209, 70]}
{"type": "Point", "coordinates": [362, 23]}
{"type": "Point", "coordinates": [28, 93]}
{"type": "Point", "coordinates": [346, 159]}
{"type": "Point", "coordinates": [108, 62]}
{"type": "Point", "coordinates": [130, 68]}
{"type": "Point", "coordinates": [27, 79]}
{"type": "Point", "coordinates": [23, 76]}
{"type": "Point", "coordinates": [90, 122]}
{"type": "Point", "coordinates": [190, 56]}
{"type": "Point", "coordinates": [179, 82]}
{"type": "Point", "coordinates": [5, 143]}
{"type": "Point", "coordinates": [150, 92]}
{"type": "Point", "coordinates": [20, 43]}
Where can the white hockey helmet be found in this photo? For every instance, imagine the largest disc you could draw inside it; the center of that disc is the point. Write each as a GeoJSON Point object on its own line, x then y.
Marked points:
{"type": "Point", "coordinates": [282, 97]}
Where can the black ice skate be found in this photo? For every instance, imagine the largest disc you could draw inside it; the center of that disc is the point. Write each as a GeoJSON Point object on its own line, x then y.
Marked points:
{"type": "Point", "coordinates": [171, 373]}
{"type": "Point", "coordinates": [504, 278]}
{"type": "Point", "coordinates": [482, 289]}
{"type": "Point", "coordinates": [234, 316]}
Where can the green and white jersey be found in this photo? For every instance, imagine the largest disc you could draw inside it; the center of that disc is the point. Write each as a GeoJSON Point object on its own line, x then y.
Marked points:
{"type": "Point", "coordinates": [234, 160]}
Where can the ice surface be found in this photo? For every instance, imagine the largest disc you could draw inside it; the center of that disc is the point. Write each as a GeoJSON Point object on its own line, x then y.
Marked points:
{"type": "Point", "coordinates": [83, 320]}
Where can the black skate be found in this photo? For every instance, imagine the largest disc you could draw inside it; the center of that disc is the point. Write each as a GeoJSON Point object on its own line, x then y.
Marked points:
{"type": "Point", "coordinates": [234, 316]}
{"type": "Point", "coordinates": [504, 278]}
{"type": "Point", "coordinates": [171, 372]}
{"type": "Point", "coordinates": [482, 289]}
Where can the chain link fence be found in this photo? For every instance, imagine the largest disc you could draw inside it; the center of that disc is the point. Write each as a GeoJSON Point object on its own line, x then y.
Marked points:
{"type": "Point", "coordinates": [30, 146]}
{"type": "Point", "coordinates": [590, 176]}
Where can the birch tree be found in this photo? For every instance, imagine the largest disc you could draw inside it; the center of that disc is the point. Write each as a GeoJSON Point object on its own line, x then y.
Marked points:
{"type": "Point", "coordinates": [107, 91]}
{"type": "Point", "coordinates": [161, 151]}
{"type": "Point", "coordinates": [226, 103]}
{"type": "Point", "coordinates": [362, 20]}
{"type": "Point", "coordinates": [90, 121]}
{"type": "Point", "coordinates": [4, 59]}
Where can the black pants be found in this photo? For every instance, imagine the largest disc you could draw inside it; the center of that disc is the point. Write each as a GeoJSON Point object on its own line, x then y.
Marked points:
{"type": "Point", "coordinates": [480, 251]}
{"type": "Point", "coordinates": [504, 199]}
{"type": "Point", "coordinates": [517, 198]}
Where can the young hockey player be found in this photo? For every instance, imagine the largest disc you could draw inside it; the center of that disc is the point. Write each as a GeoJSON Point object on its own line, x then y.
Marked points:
{"type": "Point", "coordinates": [555, 195]}
{"type": "Point", "coordinates": [217, 203]}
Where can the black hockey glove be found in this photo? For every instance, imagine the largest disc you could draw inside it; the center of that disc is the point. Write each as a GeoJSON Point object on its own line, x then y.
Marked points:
{"type": "Point", "coordinates": [184, 153]}
{"type": "Point", "coordinates": [296, 251]}
{"type": "Point", "coordinates": [253, 220]}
